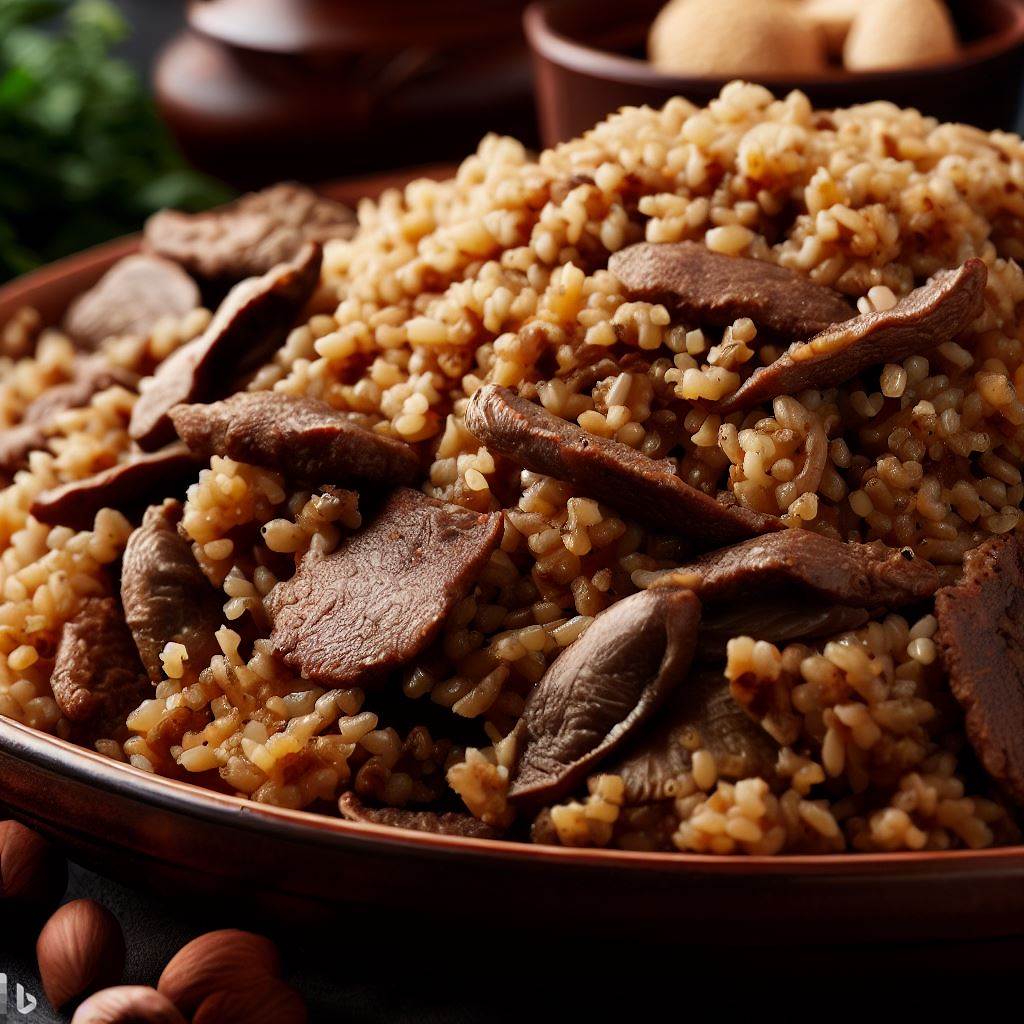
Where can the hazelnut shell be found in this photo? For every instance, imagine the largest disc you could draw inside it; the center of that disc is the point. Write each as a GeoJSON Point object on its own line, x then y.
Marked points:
{"type": "Point", "coordinates": [273, 1002]}
{"type": "Point", "coordinates": [80, 950]}
{"type": "Point", "coordinates": [33, 873]}
{"type": "Point", "coordinates": [127, 1004]}
{"type": "Point", "coordinates": [220, 961]}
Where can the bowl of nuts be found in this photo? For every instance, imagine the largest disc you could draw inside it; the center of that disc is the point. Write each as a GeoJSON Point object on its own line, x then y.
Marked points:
{"type": "Point", "coordinates": [958, 61]}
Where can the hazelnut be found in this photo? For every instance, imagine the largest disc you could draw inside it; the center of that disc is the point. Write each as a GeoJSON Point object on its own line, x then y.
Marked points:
{"type": "Point", "coordinates": [273, 1002]}
{"type": "Point", "coordinates": [127, 1004]}
{"type": "Point", "coordinates": [221, 961]}
{"type": "Point", "coordinates": [33, 874]}
{"type": "Point", "coordinates": [899, 34]}
{"type": "Point", "coordinates": [79, 950]}
{"type": "Point", "coordinates": [735, 37]}
{"type": "Point", "coordinates": [833, 18]}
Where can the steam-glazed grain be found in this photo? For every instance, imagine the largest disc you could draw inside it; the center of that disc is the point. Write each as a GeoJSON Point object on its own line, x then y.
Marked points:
{"type": "Point", "coordinates": [932, 315]}
{"type": "Point", "coordinates": [302, 438]}
{"type": "Point", "coordinates": [165, 595]}
{"type": "Point", "coordinates": [379, 600]}
{"type": "Point", "coordinates": [250, 236]}
{"type": "Point", "coordinates": [600, 692]}
{"type": "Point", "coordinates": [981, 636]}
{"type": "Point", "coordinates": [128, 487]}
{"type": "Point", "coordinates": [97, 676]}
{"type": "Point", "coordinates": [447, 823]}
{"type": "Point", "coordinates": [250, 324]}
{"type": "Point", "coordinates": [710, 288]}
{"type": "Point", "coordinates": [131, 298]}
{"type": "Point", "coordinates": [645, 489]}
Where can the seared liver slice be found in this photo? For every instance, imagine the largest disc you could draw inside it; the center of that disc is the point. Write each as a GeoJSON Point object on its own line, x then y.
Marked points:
{"type": "Point", "coordinates": [981, 636]}
{"type": "Point", "coordinates": [376, 602]}
{"type": "Point", "coordinates": [250, 236]}
{"type": "Point", "coordinates": [601, 690]}
{"type": "Point", "coordinates": [97, 677]}
{"type": "Point", "coordinates": [250, 324]}
{"type": "Point", "coordinates": [663, 752]}
{"type": "Point", "coordinates": [800, 562]}
{"type": "Point", "coordinates": [640, 487]}
{"type": "Point", "coordinates": [90, 375]}
{"type": "Point", "coordinates": [303, 438]}
{"type": "Point", "coordinates": [128, 486]}
{"type": "Point", "coordinates": [691, 280]}
{"type": "Point", "coordinates": [165, 595]}
{"type": "Point", "coordinates": [929, 316]}
{"type": "Point", "coordinates": [131, 298]}
{"type": "Point", "coordinates": [448, 823]}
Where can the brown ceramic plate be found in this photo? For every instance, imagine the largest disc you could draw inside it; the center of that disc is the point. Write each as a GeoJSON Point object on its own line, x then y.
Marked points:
{"type": "Point", "coordinates": [163, 833]}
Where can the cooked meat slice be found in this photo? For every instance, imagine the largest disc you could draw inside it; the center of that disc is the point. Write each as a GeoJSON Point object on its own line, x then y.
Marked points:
{"type": "Point", "coordinates": [165, 595]}
{"type": "Point", "coordinates": [89, 376]}
{"type": "Point", "coordinates": [780, 620]}
{"type": "Point", "coordinates": [97, 677]}
{"type": "Point", "coordinates": [376, 602]}
{"type": "Point", "coordinates": [981, 636]}
{"type": "Point", "coordinates": [131, 298]}
{"type": "Point", "coordinates": [447, 824]}
{"type": "Point", "coordinates": [710, 288]}
{"type": "Point", "coordinates": [303, 438]}
{"type": "Point", "coordinates": [641, 488]}
{"type": "Point", "coordinates": [701, 714]}
{"type": "Point", "coordinates": [601, 690]}
{"type": "Point", "coordinates": [931, 315]}
{"type": "Point", "coordinates": [800, 562]}
{"type": "Point", "coordinates": [128, 487]}
{"type": "Point", "coordinates": [250, 324]}
{"type": "Point", "coordinates": [250, 236]}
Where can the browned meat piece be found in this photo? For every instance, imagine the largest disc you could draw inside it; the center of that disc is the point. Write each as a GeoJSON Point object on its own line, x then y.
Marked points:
{"type": "Point", "coordinates": [165, 595]}
{"type": "Point", "coordinates": [700, 714]}
{"type": "Point", "coordinates": [90, 375]}
{"type": "Point", "coordinates": [601, 690]}
{"type": "Point", "coordinates": [639, 487]}
{"type": "Point", "coordinates": [131, 298]}
{"type": "Point", "coordinates": [446, 824]}
{"type": "Point", "coordinates": [379, 600]}
{"type": "Point", "coordinates": [714, 289]}
{"type": "Point", "coordinates": [250, 236]}
{"type": "Point", "coordinates": [97, 676]}
{"type": "Point", "coordinates": [981, 636]}
{"type": "Point", "coordinates": [929, 316]}
{"type": "Point", "coordinates": [251, 323]}
{"type": "Point", "coordinates": [801, 562]}
{"type": "Point", "coordinates": [301, 437]}
{"type": "Point", "coordinates": [128, 487]}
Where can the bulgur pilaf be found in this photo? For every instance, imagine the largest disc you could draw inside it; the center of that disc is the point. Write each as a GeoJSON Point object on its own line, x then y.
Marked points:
{"type": "Point", "coordinates": [832, 727]}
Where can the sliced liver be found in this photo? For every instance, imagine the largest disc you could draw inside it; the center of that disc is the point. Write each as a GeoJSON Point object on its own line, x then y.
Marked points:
{"type": "Point", "coordinates": [374, 604]}
{"type": "Point", "coordinates": [250, 324]}
{"type": "Point", "coordinates": [929, 316]}
{"type": "Point", "coordinates": [981, 637]}
{"type": "Point", "coordinates": [641, 488]}
{"type": "Point", "coordinates": [601, 690]}
{"type": "Point", "coordinates": [131, 298]}
{"type": "Point", "coordinates": [714, 289]}
{"type": "Point", "coordinates": [128, 487]}
{"type": "Point", "coordinates": [165, 595]}
{"type": "Point", "coordinates": [97, 677]}
{"type": "Point", "coordinates": [250, 236]}
{"type": "Point", "coordinates": [448, 823]}
{"type": "Point", "coordinates": [303, 438]}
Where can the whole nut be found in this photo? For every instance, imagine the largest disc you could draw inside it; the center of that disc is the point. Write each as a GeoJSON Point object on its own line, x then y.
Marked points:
{"type": "Point", "coordinates": [221, 961]}
{"type": "Point", "coordinates": [900, 34]}
{"type": "Point", "coordinates": [80, 950]}
{"type": "Point", "coordinates": [273, 1002]}
{"type": "Point", "coordinates": [127, 1004]}
{"type": "Point", "coordinates": [33, 874]}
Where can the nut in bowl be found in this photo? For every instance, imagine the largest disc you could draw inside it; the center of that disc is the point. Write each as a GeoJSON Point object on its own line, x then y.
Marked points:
{"type": "Point", "coordinates": [961, 61]}
{"type": "Point", "coordinates": [651, 502]}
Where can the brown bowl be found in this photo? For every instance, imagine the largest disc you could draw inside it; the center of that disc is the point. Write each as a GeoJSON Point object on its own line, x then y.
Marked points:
{"type": "Point", "coordinates": [588, 58]}
{"type": "Point", "coordinates": [171, 836]}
